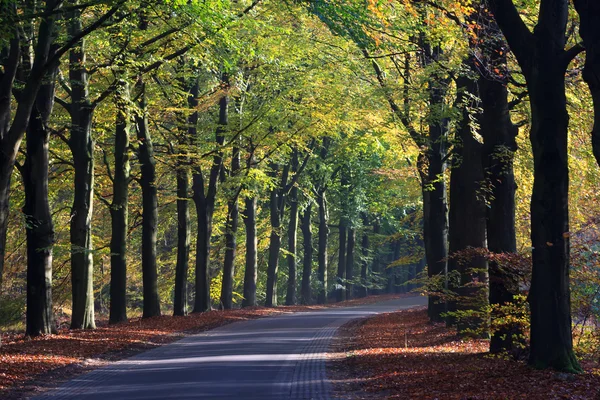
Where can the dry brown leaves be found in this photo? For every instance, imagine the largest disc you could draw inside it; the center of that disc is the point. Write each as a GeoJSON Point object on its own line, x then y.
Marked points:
{"type": "Point", "coordinates": [23, 359]}
{"type": "Point", "coordinates": [403, 356]}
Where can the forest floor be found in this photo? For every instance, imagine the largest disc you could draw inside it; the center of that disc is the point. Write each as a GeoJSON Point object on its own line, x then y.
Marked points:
{"type": "Point", "coordinates": [30, 365]}
{"type": "Point", "coordinates": [402, 355]}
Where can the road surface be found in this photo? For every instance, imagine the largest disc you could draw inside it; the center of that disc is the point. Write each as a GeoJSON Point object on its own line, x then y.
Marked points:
{"type": "Point", "coordinates": [281, 357]}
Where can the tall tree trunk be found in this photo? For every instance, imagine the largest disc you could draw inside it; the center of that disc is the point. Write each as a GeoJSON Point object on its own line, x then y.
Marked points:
{"type": "Point", "coordinates": [306, 228]}
{"type": "Point", "coordinates": [119, 208]}
{"type": "Point", "coordinates": [589, 30]}
{"type": "Point", "coordinates": [151, 300]}
{"type": "Point", "coordinates": [435, 207]}
{"type": "Point", "coordinates": [274, 247]}
{"type": "Point", "coordinates": [180, 306]}
{"type": "Point", "coordinates": [183, 242]}
{"type": "Point", "coordinates": [364, 266]}
{"type": "Point", "coordinates": [499, 147]}
{"type": "Point", "coordinates": [230, 238]}
{"type": "Point", "coordinates": [376, 267]}
{"type": "Point", "coordinates": [290, 297]}
{"type": "Point", "coordinates": [82, 148]}
{"type": "Point", "coordinates": [323, 238]}
{"type": "Point", "coordinates": [543, 59]}
{"type": "Point", "coordinates": [250, 273]}
{"type": "Point", "coordinates": [350, 263]}
{"type": "Point", "coordinates": [11, 134]}
{"type": "Point", "coordinates": [341, 271]}
{"type": "Point", "coordinates": [467, 223]}
{"type": "Point", "coordinates": [38, 217]}
{"type": "Point", "coordinates": [205, 207]}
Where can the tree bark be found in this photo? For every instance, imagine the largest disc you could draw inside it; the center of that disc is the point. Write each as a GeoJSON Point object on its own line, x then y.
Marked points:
{"type": "Point", "coordinates": [543, 59]}
{"type": "Point", "coordinates": [364, 266]}
{"type": "Point", "coordinates": [82, 149]}
{"type": "Point", "coordinates": [350, 263]}
{"type": "Point", "coordinates": [38, 217]}
{"type": "Point", "coordinates": [467, 223]}
{"type": "Point", "coordinates": [231, 228]}
{"type": "Point", "coordinates": [250, 273]}
{"type": "Point", "coordinates": [499, 148]}
{"type": "Point", "coordinates": [323, 239]}
{"type": "Point", "coordinates": [589, 30]}
{"type": "Point", "coordinates": [180, 306]}
{"type": "Point", "coordinates": [119, 208]}
{"type": "Point", "coordinates": [13, 123]}
{"type": "Point", "coordinates": [151, 300]}
{"type": "Point", "coordinates": [341, 271]}
{"type": "Point", "coordinates": [290, 298]}
{"type": "Point", "coordinates": [306, 228]}
{"type": "Point", "coordinates": [274, 247]}
{"type": "Point", "coordinates": [205, 206]}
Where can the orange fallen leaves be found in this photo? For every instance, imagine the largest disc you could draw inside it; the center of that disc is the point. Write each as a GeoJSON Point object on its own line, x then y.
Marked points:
{"type": "Point", "coordinates": [437, 364]}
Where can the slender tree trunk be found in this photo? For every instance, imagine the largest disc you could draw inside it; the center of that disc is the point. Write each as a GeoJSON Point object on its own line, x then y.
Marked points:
{"type": "Point", "coordinates": [119, 208]}
{"type": "Point", "coordinates": [290, 298]}
{"type": "Point", "coordinates": [306, 228]}
{"type": "Point", "coordinates": [274, 247]}
{"type": "Point", "coordinates": [341, 272]}
{"type": "Point", "coordinates": [230, 239]}
{"type": "Point", "coordinates": [376, 267]}
{"type": "Point", "coordinates": [151, 301]}
{"type": "Point", "coordinates": [183, 242]}
{"type": "Point", "coordinates": [180, 306]}
{"type": "Point", "coordinates": [38, 217]}
{"type": "Point", "coordinates": [250, 273]}
{"type": "Point", "coordinates": [323, 238]}
{"type": "Point", "coordinates": [364, 266]}
{"type": "Point", "coordinates": [205, 207]}
{"type": "Point", "coordinates": [350, 263]}
{"type": "Point", "coordinates": [82, 148]}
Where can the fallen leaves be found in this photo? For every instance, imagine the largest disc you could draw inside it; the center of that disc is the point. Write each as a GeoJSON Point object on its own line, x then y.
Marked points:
{"type": "Point", "coordinates": [402, 355]}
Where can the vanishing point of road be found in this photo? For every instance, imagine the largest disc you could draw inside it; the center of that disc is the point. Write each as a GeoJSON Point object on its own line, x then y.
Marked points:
{"type": "Point", "coordinates": [281, 357]}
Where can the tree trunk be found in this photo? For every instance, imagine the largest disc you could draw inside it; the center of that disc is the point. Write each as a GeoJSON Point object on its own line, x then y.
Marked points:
{"type": "Point", "coordinates": [180, 306]}
{"type": "Point", "coordinates": [543, 59]}
{"type": "Point", "coordinates": [376, 267]}
{"type": "Point", "coordinates": [205, 207]}
{"type": "Point", "coordinates": [350, 263]}
{"type": "Point", "coordinates": [467, 223]}
{"type": "Point", "coordinates": [82, 148]}
{"type": "Point", "coordinates": [341, 272]}
{"type": "Point", "coordinates": [183, 242]}
{"type": "Point", "coordinates": [230, 239]}
{"type": "Point", "coordinates": [589, 30]}
{"type": "Point", "coordinates": [274, 247]}
{"type": "Point", "coordinates": [364, 267]}
{"type": "Point", "coordinates": [11, 134]}
{"type": "Point", "coordinates": [119, 208]}
{"type": "Point", "coordinates": [306, 228]}
{"type": "Point", "coordinates": [435, 208]}
{"type": "Point", "coordinates": [290, 298]}
{"type": "Point", "coordinates": [151, 300]}
{"type": "Point", "coordinates": [323, 238]}
{"type": "Point", "coordinates": [499, 148]}
{"type": "Point", "coordinates": [250, 274]}
{"type": "Point", "coordinates": [38, 217]}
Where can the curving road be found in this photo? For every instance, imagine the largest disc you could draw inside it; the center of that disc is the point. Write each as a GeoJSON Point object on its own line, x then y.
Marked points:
{"type": "Point", "coordinates": [280, 357]}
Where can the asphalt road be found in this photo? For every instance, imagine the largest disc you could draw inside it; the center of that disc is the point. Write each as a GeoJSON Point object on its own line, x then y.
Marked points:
{"type": "Point", "coordinates": [280, 357]}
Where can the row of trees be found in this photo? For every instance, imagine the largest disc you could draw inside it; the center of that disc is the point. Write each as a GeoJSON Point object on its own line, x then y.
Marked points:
{"type": "Point", "coordinates": [339, 116]}
{"type": "Point", "coordinates": [141, 109]}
